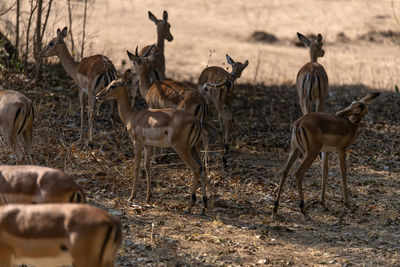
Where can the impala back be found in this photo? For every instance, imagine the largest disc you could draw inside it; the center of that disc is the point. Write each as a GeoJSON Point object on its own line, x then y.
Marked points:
{"type": "Point", "coordinates": [34, 184]}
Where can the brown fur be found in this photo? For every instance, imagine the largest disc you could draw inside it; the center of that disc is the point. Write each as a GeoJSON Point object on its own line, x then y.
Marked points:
{"type": "Point", "coordinates": [321, 132]}
{"type": "Point", "coordinates": [16, 122]}
{"type": "Point", "coordinates": [54, 229]}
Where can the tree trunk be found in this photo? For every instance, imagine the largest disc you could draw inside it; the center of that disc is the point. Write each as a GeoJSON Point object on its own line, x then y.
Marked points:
{"type": "Point", "coordinates": [84, 29]}
{"type": "Point", "coordinates": [38, 38]}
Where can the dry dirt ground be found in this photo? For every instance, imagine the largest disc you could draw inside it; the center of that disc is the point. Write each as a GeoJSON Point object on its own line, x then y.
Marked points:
{"type": "Point", "coordinates": [238, 230]}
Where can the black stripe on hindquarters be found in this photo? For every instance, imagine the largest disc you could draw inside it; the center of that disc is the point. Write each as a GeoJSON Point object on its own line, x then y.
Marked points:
{"type": "Point", "coordinates": [22, 125]}
{"type": "Point", "coordinates": [99, 80]}
{"type": "Point", "coordinates": [103, 247]}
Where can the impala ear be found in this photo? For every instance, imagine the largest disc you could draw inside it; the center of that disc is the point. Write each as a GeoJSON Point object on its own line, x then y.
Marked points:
{"type": "Point", "coordinates": [230, 60]}
{"type": "Point", "coordinates": [303, 39]}
{"type": "Point", "coordinates": [245, 64]}
{"type": "Point", "coordinates": [152, 17]}
{"type": "Point", "coordinates": [319, 37]}
{"type": "Point", "coordinates": [133, 58]}
{"type": "Point", "coordinates": [63, 33]}
{"type": "Point", "coordinates": [368, 98]}
{"type": "Point", "coordinates": [165, 16]}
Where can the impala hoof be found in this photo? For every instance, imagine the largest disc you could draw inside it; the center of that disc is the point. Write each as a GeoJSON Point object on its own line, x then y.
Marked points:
{"type": "Point", "coordinates": [188, 210]}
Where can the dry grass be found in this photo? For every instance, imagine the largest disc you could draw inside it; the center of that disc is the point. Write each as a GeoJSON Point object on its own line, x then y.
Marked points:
{"type": "Point", "coordinates": [237, 230]}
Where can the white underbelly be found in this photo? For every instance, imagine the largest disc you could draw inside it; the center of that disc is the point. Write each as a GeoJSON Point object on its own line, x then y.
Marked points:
{"type": "Point", "coordinates": [61, 260]}
{"type": "Point", "coordinates": [40, 252]}
{"type": "Point", "coordinates": [328, 148]}
{"type": "Point", "coordinates": [157, 138]}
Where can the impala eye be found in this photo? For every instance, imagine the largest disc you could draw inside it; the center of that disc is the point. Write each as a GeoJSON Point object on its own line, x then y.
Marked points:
{"type": "Point", "coordinates": [51, 43]}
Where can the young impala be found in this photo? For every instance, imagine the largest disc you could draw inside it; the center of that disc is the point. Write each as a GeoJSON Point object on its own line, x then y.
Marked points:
{"type": "Point", "coordinates": [16, 121]}
{"type": "Point", "coordinates": [58, 235]}
{"type": "Point", "coordinates": [322, 132]}
{"type": "Point", "coordinates": [34, 184]}
{"type": "Point", "coordinates": [90, 74]}
{"type": "Point", "coordinates": [174, 128]}
{"type": "Point", "coordinates": [312, 80]}
{"type": "Point", "coordinates": [168, 94]}
{"type": "Point", "coordinates": [220, 93]}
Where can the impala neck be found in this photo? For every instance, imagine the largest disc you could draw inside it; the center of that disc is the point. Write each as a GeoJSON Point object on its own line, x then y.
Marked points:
{"type": "Point", "coordinates": [69, 64]}
{"type": "Point", "coordinates": [125, 110]}
{"type": "Point", "coordinates": [144, 81]}
{"type": "Point", "coordinates": [313, 57]}
{"type": "Point", "coordinates": [160, 42]}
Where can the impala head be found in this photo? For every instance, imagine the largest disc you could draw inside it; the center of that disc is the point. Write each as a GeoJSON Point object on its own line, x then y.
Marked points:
{"type": "Point", "coordinates": [142, 61]}
{"type": "Point", "coordinates": [113, 90]}
{"type": "Point", "coordinates": [52, 48]}
{"type": "Point", "coordinates": [237, 67]}
{"type": "Point", "coordinates": [356, 111]}
{"type": "Point", "coordinates": [163, 27]}
{"type": "Point", "coordinates": [314, 45]}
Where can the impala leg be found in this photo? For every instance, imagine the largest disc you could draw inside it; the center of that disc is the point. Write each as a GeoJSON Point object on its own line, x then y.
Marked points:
{"type": "Point", "coordinates": [205, 140]}
{"type": "Point", "coordinates": [148, 151]}
{"type": "Point", "coordinates": [291, 160]}
{"type": "Point", "coordinates": [308, 160]}
{"type": "Point", "coordinates": [191, 162]}
{"type": "Point", "coordinates": [195, 153]}
{"type": "Point", "coordinates": [325, 161]}
{"type": "Point", "coordinates": [343, 171]}
{"type": "Point", "coordinates": [136, 177]}
{"type": "Point", "coordinates": [27, 136]}
{"type": "Point", "coordinates": [82, 103]}
{"type": "Point", "coordinates": [91, 100]}
{"type": "Point", "coordinates": [14, 146]}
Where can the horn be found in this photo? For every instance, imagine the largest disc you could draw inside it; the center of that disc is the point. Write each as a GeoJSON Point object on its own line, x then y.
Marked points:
{"type": "Point", "coordinates": [136, 51]}
{"type": "Point", "coordinates": [148, 51]}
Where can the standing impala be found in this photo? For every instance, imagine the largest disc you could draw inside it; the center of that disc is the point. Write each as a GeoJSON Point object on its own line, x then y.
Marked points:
{"type": "Point", "coordinates": [168, 94]}
{"type": "Point", "coordinates": [220, 95]}
{"type": "Point", "coordinates": [163, 33]}
{"type": "Point", "coordinates": [16, 120]}
{"type": "Point", "coordinates": [312, 80]}
{"type": "Point", "coordinates": [174, 128]}
{"type": "Point", "coordinates": [90, 74]}
{"type": "Point", "coordinates": [34, 184]}
{"type": "Point", "coordinates": [322, 132]}
{"type": "Point", "coordinates": [58, 235]}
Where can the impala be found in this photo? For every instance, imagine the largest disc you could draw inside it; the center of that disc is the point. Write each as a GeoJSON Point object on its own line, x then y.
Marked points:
{"type": "Point", "coordinates": [174, 128]}
{"type": "Point", "coordinates": [34, 184]}
{"type": "Point", "coordinates": [168, 94]}
{"type": "Point", "coordinates": [312, 80]}
{"type": "Point", "coordinates": [58, 234]}
{"type": "Point", "coordinates": [322, 132]}
{"type": "Point", "coordinates": [220, 93]}
{"type": "Point", "coordinates": [90, 74]}
{"type": "Point", "coordinates": [163, 33]}
{"type": "Point", "coordinates": [16, 121]}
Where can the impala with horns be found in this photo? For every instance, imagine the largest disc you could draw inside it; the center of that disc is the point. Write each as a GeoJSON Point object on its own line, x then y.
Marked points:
{"type": "Point", "coordinates": [169, 94]}
{"type": "Point", "coordinates": [150, 128]}
{"type": "Point", "coordinates": [58, 235]}
{"type": "Point", "coordinates": [90, 74]}
{"type": "Point", "coordinates": [312, 80]}
{"type": "Point", "coordinates": [16, 123]}
{"type": "Point", "coordinates": [216, 85]}
{"type": "Point", "coordinates": [322, 132]}
{"type": "Point", "coordinates": [34, 184]}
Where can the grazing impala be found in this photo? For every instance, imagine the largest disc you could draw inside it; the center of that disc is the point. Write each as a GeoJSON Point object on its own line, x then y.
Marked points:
{"type": "Point", "coordinates": [16, 120]}
{"type": "Point", "coordinates": [174, 128]}
{"type": "Point", "coordinates": [220, 92]}
{"type": "Point", "coordinates": [322, 132]}
{"type": "Point", "coordinates": [168, 94]}
{"type": "Point", "coordinates": [90, 74]}
{"type": "Point", "coordinates": [58, 234]}
{"type": "Point", "coordinates": [34, 184]}
{"type": "Point", "coordinates": [312, 80]}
